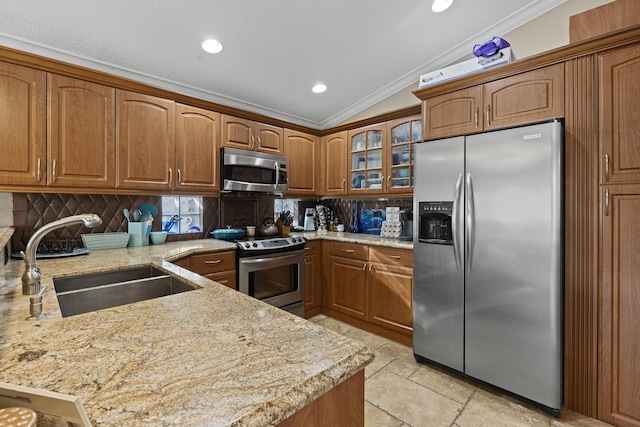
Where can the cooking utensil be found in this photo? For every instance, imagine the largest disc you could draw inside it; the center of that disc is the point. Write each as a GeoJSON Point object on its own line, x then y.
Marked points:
{"type": "Point", "coordinates": [126, 214]}
{"type": "Point", "coordinates": [146, 216]}
{"type": "Point", "coordinates": [149, 207]}
{"type": "Point", "coordinates": [135, 213]}
{"type": "Point", "coordinates": [228, 233]}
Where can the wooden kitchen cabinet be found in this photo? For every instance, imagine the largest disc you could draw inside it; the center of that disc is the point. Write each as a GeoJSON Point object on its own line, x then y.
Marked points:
{"type": "Point", "coordinates": [145, 141]}
{"type": "Point", "coordinates": [302, 162]}
{"type": "Point", "coordinates": [523, 98]}
{"type": "Point", "coordinates": [335, 164]}
{"type": "Point", "coordinates": [620, 115]}
{"type": "Point", "coordinates": [365, 157]}
{"type": "Point", "coordinates": [347, 279]}
{"type": "Point", "coordinates": [197, 155]}
{"type": "Point", "coordinates": [371, 287]}
{"type": "Point", "coordinates": [313, 278]}
{"type": "Point", "coordinates": [250, 135]}
{"type": "Point", "coordinates": [402, 135]}
{"type": "Point", "coordinates": [217, 266]}
{"type": "Point", "coordinates": [391, 288]}
{"type": "Point", "coordinates": [80, 133]}
{"type": "Point", "coordinates": [619, 341]}
{"type": "Point", "coordinates": [22, 125]}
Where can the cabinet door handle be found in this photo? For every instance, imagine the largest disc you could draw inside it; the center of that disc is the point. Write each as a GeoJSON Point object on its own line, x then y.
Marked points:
{"type": "Point", "coordinates": [39, 172]}
{"type": "Point", "coordinates": [53, 172]}
{"type": "Point", "coordinates": [307, 248]}
{"type": "Point", "coordinates": [253, 142]}
{"type": "Point", "coordinates": [389, 182]}
{"type": "Point", "coordinates": [606, 202]}
{"type": "Point", "coordinates": [606, 167]}
{"type": "Point", "coordinates": [213, 261]}
{"type": "Point", "coordinates": [371, 269]}
{"type": "Point", "coordinates": [476, 117]}
{"type": "Point", "coordinates": [349, 251]}
{"type": "Point", "coordinates": [179, 178]}
{"type": "Point", "coordinates": [488, 115]}
{"type": "Point", "coordinates": [344, 181]}
{"type": "Point", "coordinates": [259, 142]}
{"type": "Point", "coordinates": [382, 183]}
{"type": "Point", "coordinates": [170, 176]}
{"type": "Point", "coordinates": [394, 256]}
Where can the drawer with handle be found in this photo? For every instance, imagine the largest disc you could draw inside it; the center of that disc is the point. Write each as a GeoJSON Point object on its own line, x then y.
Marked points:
{"type": "Point", "coordinates": [393, 256]}
{"type": "Point", "coordinates": [349, 250]}
{"type": "Point", "coordinates": [213, 262]}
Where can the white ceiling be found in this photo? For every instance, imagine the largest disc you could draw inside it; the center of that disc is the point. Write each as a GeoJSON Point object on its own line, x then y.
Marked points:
{"type": "Point", "coordinates": [274, 51]}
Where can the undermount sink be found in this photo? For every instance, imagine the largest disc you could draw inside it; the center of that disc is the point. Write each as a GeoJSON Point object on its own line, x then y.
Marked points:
{"type": "Point", "coordinates": [90, 292]}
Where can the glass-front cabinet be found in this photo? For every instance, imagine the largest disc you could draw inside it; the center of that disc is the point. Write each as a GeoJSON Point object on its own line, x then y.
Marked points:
{"type": "Point", "coordinates": [402, 135]}
{"type": "Point", "coordinates": [367, 159]}
{"type": "Point", "coordinates": [381, 156]}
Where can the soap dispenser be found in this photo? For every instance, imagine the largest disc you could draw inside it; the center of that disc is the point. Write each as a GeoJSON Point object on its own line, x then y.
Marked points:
{"type": "Point", "coordinates": [309, 220]}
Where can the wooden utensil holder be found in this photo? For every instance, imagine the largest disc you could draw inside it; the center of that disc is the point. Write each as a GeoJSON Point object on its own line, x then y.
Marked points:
{"type": "Point", "coordinates": [284, 230]}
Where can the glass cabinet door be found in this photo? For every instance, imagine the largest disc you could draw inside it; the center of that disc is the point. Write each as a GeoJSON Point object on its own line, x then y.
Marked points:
{"type": "Point", "coordinates": [403, 134]}
{"type": "Point", "coordinates": [367, 158]}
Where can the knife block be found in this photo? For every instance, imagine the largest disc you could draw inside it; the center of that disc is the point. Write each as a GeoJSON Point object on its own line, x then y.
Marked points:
{"type": "Point", "coordinates": [282, 229]}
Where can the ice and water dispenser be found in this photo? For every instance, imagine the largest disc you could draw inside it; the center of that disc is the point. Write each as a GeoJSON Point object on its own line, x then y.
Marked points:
{"type": "Point", "coordinates": [435, 222]}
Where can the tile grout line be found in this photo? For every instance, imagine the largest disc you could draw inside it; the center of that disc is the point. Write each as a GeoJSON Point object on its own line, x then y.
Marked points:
{"type": "Point", "coordinates": [463, 407]}
{"type": "Point", "coordinates": [388, 413]}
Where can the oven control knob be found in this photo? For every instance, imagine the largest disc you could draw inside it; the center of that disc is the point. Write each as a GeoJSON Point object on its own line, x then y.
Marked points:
{"type": "Point", "coordinates": [247, 245]}
{"type": "Point", "coordinates": [255, 245]}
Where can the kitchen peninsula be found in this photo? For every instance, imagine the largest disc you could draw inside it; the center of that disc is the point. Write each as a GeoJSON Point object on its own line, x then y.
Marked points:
{"type": "Point", "coordinates": [211, 356]}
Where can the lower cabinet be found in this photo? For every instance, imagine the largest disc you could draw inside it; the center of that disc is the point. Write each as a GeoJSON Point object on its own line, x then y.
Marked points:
{"type": "Point", "coordinates": [313, 278]}
{"type": "Point", "coordinates": [390, 288]}
{"type": "Point", "coordinates": [371, 287]}
{"type": "Point", "coordinates": [619, 341]}
{"type": "Point", "coordinates": [217, 266]}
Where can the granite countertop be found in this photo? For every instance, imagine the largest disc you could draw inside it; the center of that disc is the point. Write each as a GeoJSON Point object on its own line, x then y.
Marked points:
{"type": "Point", "coordinates": [366, 239]}
{"type": "Point", "coordinates": [5, 235]}
{"type": "Point", "coordinates": [211, 356]}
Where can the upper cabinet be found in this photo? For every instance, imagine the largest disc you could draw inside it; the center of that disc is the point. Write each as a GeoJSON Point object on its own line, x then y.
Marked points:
{"type": "Point", "coordinates": [22, 125]}
{"type": "Point", "coordinates": [402, 134]}
{"type": "Point", "coordinates": [80, 133]}
{"type": "Point", "coordinates": [335, 164]}
{"type": "Point", "coordinates": [380, 156]}
{"type": "Point", "coordinates": [302, 162]}
{"type": "Point", "coordinates": [523, 98]}
{"type": "Point", "coordinates": [249, 135]}
{"type": "Point", "coordinates": [145, 141]}
{"type": "Point", "coordinates": [620, 115]}
{"type": "Point", "coordinates": [365, 157]}
{"type": "Point", "coordinates": [197, 155]}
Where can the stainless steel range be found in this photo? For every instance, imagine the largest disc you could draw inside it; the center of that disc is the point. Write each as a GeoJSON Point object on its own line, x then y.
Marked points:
{"type": "Point", "coordinates": [272, 270]}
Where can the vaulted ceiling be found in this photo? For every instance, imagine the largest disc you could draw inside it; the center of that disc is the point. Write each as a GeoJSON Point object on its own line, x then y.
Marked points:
{"type": "Point", "coordinates": [274, 51]}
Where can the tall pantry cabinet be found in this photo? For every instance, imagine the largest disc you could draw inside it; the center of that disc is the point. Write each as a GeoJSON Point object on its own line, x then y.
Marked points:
{"type": "Point", "coordinates": [619, 140]}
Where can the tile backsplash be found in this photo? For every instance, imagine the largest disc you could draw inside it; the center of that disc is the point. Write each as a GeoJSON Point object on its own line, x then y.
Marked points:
{"type": "Point", "coordinates": [32, 210]}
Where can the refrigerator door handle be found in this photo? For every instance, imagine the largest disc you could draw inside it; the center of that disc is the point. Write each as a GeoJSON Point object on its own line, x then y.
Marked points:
{"type": "Point", "coordinates": [470, 223]}
{"type": "Point", "coordinates": [456, 222]}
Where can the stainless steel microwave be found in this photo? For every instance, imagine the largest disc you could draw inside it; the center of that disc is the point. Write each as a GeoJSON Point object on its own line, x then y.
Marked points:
{"type": "Point", "coordinates": [244, 170]}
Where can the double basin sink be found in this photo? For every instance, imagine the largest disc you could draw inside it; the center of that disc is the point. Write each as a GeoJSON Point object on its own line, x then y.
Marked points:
{"type": "Point", "coordinates": [97, 291]}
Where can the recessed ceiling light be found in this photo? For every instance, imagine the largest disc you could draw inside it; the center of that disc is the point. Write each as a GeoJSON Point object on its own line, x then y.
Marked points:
{"type": "Point", "coordinates": [319, 88]}
{"type": "Point", "coordinates": [212, 46]}
{"type": "Point", "coordinates": [440, 5]}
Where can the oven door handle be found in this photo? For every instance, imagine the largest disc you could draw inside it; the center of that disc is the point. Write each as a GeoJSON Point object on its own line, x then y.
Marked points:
{"type": "Point", "coordinates": [262, 260]}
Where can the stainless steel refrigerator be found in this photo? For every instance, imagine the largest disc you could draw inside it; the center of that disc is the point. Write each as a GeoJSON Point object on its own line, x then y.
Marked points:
{"type": "Point", "coordinates": [488, 259]}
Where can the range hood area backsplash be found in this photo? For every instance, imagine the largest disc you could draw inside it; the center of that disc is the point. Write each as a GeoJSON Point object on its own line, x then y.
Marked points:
{"type": "Point", "coordinates": [32, 210]}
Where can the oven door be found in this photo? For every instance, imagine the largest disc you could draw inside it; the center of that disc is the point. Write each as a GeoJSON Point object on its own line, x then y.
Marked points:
{"type": "Point", "coordinates": [277, 279]}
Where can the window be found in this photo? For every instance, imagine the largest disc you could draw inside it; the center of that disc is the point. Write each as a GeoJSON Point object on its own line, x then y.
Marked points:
{"type": "Point", "coordinates": [282, 205]}
{"type": "Point", "coordinates": [182, 214]}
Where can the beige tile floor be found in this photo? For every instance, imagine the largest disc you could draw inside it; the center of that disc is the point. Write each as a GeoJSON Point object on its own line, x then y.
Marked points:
{"type": "Point", "coordinates": [399, 392]}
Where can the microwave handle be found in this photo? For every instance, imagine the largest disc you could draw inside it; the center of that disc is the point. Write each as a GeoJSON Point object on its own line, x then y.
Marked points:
{"type": "Point", "coordinates": [275, 186]}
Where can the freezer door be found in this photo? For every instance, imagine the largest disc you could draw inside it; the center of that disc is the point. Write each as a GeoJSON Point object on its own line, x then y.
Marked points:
{"type": "Point", "coordinates": [513, 292]}
{"type": "Point", "coordinates": [438, 288]}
